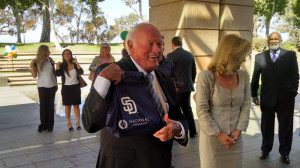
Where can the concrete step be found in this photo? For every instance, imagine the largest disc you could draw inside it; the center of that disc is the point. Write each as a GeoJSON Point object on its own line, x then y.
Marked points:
{"type": "Point", "coordinates": [22, 83]}
{"type": "Point", "coordinates": [15, 70]}
{"type": "Point", "coordinates": [20, 74]}
{"type": "Point", "coordinates": [21, 79]}
{"type": "Point", "coordinates": [15, 60]}
{"type": "Point", "coordinates": [14, 66]}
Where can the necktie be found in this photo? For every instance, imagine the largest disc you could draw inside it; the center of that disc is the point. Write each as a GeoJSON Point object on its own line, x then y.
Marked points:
{"type": "Point", "coordinates": [274, 56]}
{"type": "Point", "coordinates": [149, 78]}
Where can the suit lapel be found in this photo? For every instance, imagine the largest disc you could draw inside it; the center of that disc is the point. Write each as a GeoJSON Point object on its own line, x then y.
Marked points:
{"type": "Point", "coordinates": [281, 54]}
{"type": "Point", "coordinates": [127, 65]}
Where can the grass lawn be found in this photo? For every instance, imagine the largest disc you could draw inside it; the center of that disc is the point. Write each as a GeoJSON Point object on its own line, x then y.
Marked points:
{"type": "Point", "coordinates": [75, 48]}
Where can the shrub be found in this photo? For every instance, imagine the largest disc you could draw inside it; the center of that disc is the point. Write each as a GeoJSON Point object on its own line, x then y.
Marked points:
{"type": "Point", "coordinates": [260, 44]}
{"type": "Point", "coordinates": [289, 46]}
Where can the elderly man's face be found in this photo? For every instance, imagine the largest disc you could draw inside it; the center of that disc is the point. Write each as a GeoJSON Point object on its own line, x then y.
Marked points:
{"type": "Point", "coordinates": [146, 47]}
{"type": "Point", "coordinates": [274, 41]}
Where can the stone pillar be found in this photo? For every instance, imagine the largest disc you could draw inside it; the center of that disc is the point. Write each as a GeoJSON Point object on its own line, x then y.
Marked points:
{"type": "Point", "coordinates": [201, 24]}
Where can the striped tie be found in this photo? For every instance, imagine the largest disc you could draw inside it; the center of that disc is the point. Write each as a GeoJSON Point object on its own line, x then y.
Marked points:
{"type": "Point", "coordinates": [149, 78]}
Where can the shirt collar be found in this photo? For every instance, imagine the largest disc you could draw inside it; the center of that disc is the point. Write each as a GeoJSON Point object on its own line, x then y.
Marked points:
{"type": "Point", "coordinates": [277, 52]}
{"type": "Point", "coordinates": [178, 47]}
{"type": "Point", "coordinates": [140, 69]}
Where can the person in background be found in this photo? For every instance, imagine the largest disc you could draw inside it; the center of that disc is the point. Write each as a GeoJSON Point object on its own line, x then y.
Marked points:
{"type": "Point", "coordinates": [104, 57]}
{"type": "Point", "coordinates": [278, 69]}
{"type": "Point", "coordinates": [69, 70]}
{"type": "Point", "coordinates": [185, 69]}
{"type": "Point", "coordinates": [165, 65]}
{"type": "Point", "coordinates": [43, 68]}
{"type": "Point", "coordinates": [223, 104]}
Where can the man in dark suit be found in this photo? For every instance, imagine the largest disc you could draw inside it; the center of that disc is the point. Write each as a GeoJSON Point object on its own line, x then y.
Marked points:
{"type": "Point", "coordinates": [165, 65]}
{"type": "Point", "coordinates": [185, 68]}
{"type": "Point", "coordinates": [279, 84]}
{"type": "Point", "coordinates": [141, 150]}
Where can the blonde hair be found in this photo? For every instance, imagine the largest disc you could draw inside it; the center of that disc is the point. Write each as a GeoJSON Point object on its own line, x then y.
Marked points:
{"type": "Point", "coordinates": [101, 52]}
{"type": "Point", "coordinates": [231, 53]}
{"type": "Point", "coordinates": [43, 49]}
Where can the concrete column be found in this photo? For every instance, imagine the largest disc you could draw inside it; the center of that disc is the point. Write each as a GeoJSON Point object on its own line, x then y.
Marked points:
{"type": "Point", "coordinates": [201, 24]}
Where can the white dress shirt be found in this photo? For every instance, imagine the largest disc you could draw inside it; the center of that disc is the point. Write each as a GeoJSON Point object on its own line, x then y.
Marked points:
{"type": "Point", "coordinates": [102, 85]}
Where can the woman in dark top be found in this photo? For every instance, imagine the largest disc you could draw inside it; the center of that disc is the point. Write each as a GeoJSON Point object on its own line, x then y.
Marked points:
{"type": "Point", "coordinates": [69, 70]}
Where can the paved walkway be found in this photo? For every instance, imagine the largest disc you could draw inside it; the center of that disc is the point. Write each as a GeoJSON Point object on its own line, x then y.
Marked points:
{"type": "Point", "coordinates": [22, 146]}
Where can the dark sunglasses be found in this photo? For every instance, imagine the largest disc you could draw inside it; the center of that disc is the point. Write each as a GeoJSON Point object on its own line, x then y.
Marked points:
{"type": "Point", "coordinates": [106, 47]}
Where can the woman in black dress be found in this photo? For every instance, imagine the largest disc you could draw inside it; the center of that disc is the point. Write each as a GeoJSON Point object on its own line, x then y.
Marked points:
{"type": "Point", "coordinates": [69, 70]}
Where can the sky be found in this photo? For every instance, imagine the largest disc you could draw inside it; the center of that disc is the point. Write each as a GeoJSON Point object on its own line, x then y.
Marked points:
{"type": "Point", "coordinates": [112, 9]}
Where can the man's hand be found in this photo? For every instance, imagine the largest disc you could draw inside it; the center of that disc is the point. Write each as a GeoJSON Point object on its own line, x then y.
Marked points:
{"type": "Point", "coordinates": [169, 131]}
{"type": "Point", "coordinates": [255, 100]}
{"type": "Point", "coordinates": [235, 135]}
{"type": "Point", "coordinates": [226, 140]}
{"type": "Point", "coordinates": [112, 73]}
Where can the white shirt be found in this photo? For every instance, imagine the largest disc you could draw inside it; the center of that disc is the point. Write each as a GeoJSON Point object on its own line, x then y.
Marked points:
{"type": "Point", "coordinates": [102, 85]}
{"type": "Point", "coordinates": [72, 79]}
{"type": "Point", "coordinates": [46, 77]}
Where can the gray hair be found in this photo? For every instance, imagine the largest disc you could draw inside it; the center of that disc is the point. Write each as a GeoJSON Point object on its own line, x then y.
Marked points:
{"type": "Point", "coordinates": [130, 34]}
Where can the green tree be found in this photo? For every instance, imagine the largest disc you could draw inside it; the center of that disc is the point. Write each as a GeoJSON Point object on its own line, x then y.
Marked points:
{"type": "Point", "coordinates": [29, 20]}
{"type": "Point", "coordinates": [88, 32]}
{"type": "Point", "coordinates": [268, 8]}
{"type": "Point", "coordinates": [130, 3]}
{"type": "Point", "coordinates": [109, 34]}
{"type": "Point", "coordinates": [93, 4]}
{"type": "Point", "coordinates": [48, 8]}
{"type": "Point", "coordinates": [69, 14]}
{"type": "Point", "coordinates": [18, 7]}
{"type": "Point", "coordinates": [290, 22]}
{"type": "Point", "coordinates": [7, 22]}
{"type": "Point", "coordinates": [126, 22]}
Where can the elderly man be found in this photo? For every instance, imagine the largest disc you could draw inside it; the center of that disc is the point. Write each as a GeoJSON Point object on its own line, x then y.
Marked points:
{"type": "Point", "coordinates": [145, 150]}
{"type": "Point", "coordinates": [279, 84]}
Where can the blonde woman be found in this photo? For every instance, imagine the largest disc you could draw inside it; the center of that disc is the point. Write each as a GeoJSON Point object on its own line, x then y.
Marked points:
{"type": "Point", "coordinates": [104, 57]}
{"type": "Point", "coordinates": [42, 68]}
{"type": "Point", "coordinates": [69, 70]}
{"type": "Point", "coordinates": [223, 104]}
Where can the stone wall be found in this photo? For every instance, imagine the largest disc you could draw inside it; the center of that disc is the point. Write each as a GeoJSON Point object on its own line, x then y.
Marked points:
{"type": "Point", "coordinates": [201, 24]}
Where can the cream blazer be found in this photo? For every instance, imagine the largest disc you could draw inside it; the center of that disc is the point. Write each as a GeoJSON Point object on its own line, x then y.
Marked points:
{"type": "Point", "coordinates": [229, 109]}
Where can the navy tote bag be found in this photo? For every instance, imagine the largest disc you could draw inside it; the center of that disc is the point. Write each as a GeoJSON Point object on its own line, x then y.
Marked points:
{"type": "Point", "coordinates": [132, 110]}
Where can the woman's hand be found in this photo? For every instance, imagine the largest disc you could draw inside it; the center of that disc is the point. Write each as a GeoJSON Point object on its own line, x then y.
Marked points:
{"type": "Point", "coordinates": [226, 140]}
{"type": "Point", "coordinates": [75, 61]}
{"type": "Point", "coordinates": [57, 65]}
{"type": "Point", "coordinates": [235, 135]}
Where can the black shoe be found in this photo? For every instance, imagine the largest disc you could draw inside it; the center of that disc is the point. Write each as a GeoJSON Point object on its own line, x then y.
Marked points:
{"type": "Point", "coordinates": [50, 130]}
{"type": "Point", "coordinates": [263, 155]}
{"type": "Point", "coordinates": [193, 135]}
{"type": "Point", "coordinates": [285, 159]}
{"type": "Point", "coordinates": [39, 129]}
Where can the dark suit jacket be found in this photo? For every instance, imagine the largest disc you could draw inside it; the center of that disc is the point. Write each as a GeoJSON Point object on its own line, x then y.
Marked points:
{"type": "Point", "coordinates": [185, 68]}
{"type": "Point", "coordinates": [143, 150]}
{"type": "Point", "coordinates": [279, 80]}
{"type": "Point", "coordinates": [61, 73]}
{"type": "Point", "coordinates": [166, 66]}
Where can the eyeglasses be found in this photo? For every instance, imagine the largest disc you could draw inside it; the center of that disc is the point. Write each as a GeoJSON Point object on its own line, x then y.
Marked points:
{"type": "Point", "coordinates": [106, 47]}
